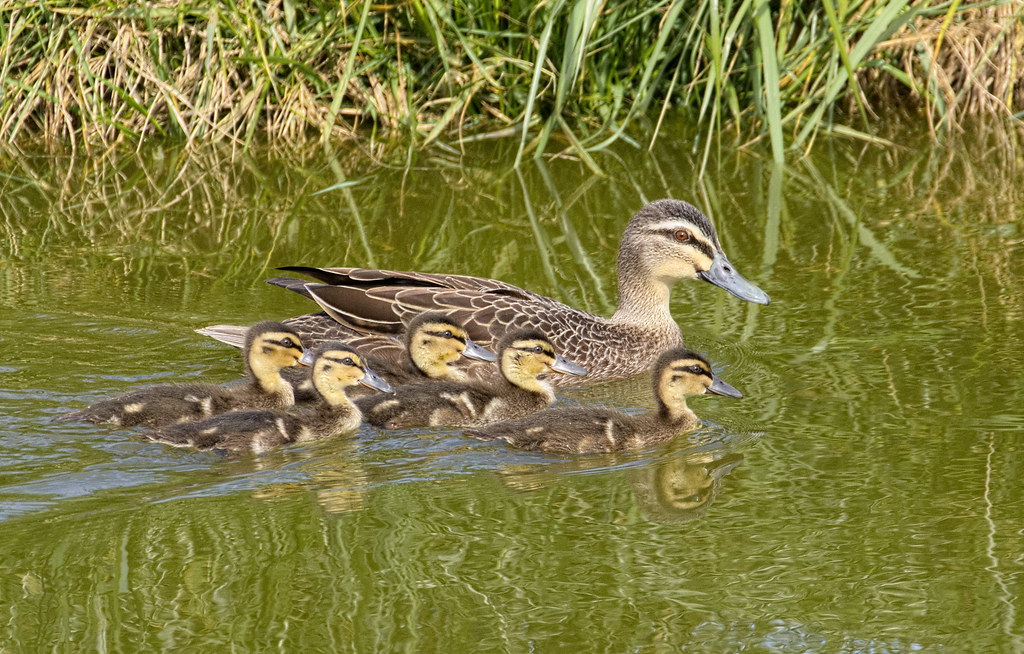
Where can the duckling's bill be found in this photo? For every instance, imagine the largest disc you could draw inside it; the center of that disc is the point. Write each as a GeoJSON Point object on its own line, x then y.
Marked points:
{"type": "Point", "coordinates": [375, 381]}
{"type": "Point", "coordinates": [723, 274]}
{"type": "Point", "coordinates": [719, 387]}
{"type": "Point", "coordinates": [474, 351]}
{"type": "Point", "coordinates": [562, 364]}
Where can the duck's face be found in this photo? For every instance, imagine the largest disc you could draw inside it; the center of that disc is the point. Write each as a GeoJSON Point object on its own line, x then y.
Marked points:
{"type": "Point", "coordinates": [337, 368]}
{"type": "Point", "coordinates": [277, 349]}
{"type": "Point", "coordinates": [442, 342]}
{"type": "Point", "coordinates": [673, 240]}
{"type": "Point", "coordinates": [531, 357]}
{"type": "Point", "coordinates": [690, 375]}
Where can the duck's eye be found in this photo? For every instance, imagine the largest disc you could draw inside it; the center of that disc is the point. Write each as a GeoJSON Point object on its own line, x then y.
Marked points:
{"type": "Point", "coordinates": [538, 349]}
{"type": "Point", "coordinates": [697, 370]}
{"type": "Point", "coordinates": [287, 342]}
{"type": "Point", "coordinates": [682, 235]}
{"type": "Point", "coordinates": [447, 333]}
{"type": "Point", "coordinates": [348, 361]}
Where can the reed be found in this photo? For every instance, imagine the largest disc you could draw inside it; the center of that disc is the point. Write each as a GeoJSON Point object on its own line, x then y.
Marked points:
{"type": "Point", "coordinates": [557, 76]}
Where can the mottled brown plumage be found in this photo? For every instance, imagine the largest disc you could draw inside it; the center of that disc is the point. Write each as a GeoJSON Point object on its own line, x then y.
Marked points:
{"type": "Point", "coordinates": [523, 355]}
{"type": "Point", "coordinates": [336, 367]}
{"type": "Point", "coordinates": [664, 242]}
{"type": "Point", "coordinates": [579, 430]}
{"type": "Point", "coordinates": [269, 348]}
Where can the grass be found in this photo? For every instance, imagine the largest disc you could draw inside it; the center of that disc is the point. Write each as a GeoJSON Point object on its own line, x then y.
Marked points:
{"type": "Point", "coordinates": [558, 76]}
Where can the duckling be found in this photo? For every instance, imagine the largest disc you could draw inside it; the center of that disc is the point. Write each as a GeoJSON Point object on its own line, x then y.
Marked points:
{"type": "Point", "coordinates": [269, 348]}
{"type": "Point", "coordinates": [523, 355]}
{"type": "Point", "coordinates": [434, 344]}
{"type": "Point", "coordinates": [336, 367]}
{"type": "Point", "coordinates": [665, 241]}
{"type": "Point", "coordinates": [583, 430]}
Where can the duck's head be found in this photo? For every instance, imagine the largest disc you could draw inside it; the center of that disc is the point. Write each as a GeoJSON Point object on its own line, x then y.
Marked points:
{"type": "Point", "coordinates": [336, 367]}
{"type": "Point", "coordinates": [435, 341]}
{"type": "Point", "coordinates": [670, 240]}
{"type": "Point", "coordinates": [680, 373]}
{"type": "Point", "coordinates": [269, 347]}
{"type": "Point", "coordinates": [524, 354]}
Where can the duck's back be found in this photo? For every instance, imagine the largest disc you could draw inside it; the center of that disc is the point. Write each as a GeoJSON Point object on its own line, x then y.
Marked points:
{"type": "Point", "coordinates": [579, 430]}
{"type": "Point", "coordinates": [440, 403]}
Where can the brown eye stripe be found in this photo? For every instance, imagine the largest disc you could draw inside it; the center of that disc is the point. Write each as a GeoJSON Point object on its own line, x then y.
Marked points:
{"type": "Point", "coordinates": [340, 360]}
{"type": "Point", "coordinates": [686, 368]}
{"type": "Point", "coordinates": [696, 242]}
{"type": "Point", "coordinates": [453, 336]}
{"type": "Point", "coordinates": [280, 343]}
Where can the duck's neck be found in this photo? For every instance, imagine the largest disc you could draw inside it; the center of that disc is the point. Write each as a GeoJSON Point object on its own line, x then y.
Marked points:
{"type": "Point", "coordinates": [676, 415]}
{"type": "Point", "coordinates": [518, 377]}
{"type": "Point", "coordinates": [268, 378]}
{"type": "Point", "coordinates": [643, 297]}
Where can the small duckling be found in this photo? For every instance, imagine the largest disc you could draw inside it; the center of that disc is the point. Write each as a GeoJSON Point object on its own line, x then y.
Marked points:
{"type": "Point", "coordinates": [336, 367]}
{"type": "Point", "coordinates": [269, 348]}
{"type": "Point", "coordinates": [523, 356]}
{"type": "Point", "coordinates": [584, 430]}
{"type": "Point", "coordinates": [434, 343]}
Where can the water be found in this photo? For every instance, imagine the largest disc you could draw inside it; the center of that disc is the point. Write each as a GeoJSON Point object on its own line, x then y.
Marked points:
{"type": "Point", "coordinates": [863, 497]}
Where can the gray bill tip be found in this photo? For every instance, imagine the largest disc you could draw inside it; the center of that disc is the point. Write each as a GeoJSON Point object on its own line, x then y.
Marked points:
{"type": "Point", "coordinates": [373, 380]}
{"type": "Point", "coordinates": [719, 387]}
{"type": "Point", "coordinates": [474, 351]}
{"type": "Point", "coordinates": [724, 275]}
{"type": "Point", "coordinates": [562, 364]}
{"type": "Point", "coordinates": [307, 358]}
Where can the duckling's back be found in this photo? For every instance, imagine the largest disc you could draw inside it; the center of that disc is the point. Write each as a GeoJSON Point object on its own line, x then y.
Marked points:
{"type": "Point", "coordinates": [578, 430]}
{"type": "Point", "coordinates": [439, 403]}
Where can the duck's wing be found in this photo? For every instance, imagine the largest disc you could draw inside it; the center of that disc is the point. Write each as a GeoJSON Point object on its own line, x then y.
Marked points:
{"type": "Point", "coordinates": [383, 302]}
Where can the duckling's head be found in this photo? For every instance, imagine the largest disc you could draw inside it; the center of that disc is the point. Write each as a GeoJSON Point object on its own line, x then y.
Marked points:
{"type": "Point", "coordinates": [670, 240]}
{"type": "Point", "coordinates": [524, 354]}
{"type": "Point", "coordinates": [679, 373]}
{"type": "Point", "coordinates": [435, 341]}
{"type": "Point", "coordinates": [269, 347]}
{"type": "Point", "coordinates": [336, 367]}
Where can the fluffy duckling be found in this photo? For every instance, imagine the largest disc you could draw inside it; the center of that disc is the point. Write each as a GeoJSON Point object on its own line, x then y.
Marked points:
{"type": "Point", "coordinates": [434, 344]}
{"type": "Point", "coordinates": [678, 373]}
{"type": "Point", "coordinates": [269, 348]}
{"type": "Point", "coordinates": [523, 355]}
{"type": "Point", "coordinates": [336, 368]}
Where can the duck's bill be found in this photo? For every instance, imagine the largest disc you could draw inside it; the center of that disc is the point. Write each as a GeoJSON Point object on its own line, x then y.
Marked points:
{"type": "Point", "coordinates": [719, 387]}
{"type": "Point", "coordinates": [562, 364]}
{"type": "Point", "coordinates": [373, 380]}
{"type": "Point", "coordinates": [307, 358]}
{"type": "Point", "coordinates": [724, 275]}
{"type": "Point", "coordinates": [474, 351]}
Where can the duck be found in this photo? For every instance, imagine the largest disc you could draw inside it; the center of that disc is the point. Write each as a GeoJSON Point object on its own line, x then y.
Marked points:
{"type": "Point", "coordinates": [336, 368]}
{"type": "Point", "coordinates": [523, 355]}
{"type": "Point", "coordinates": [434, 344]}
{"type": "Point", "coordinates": [664, 242]}
{"type": "Point", "coordinates": [269, 348]}
{"type": "Point", "coordinates": [677, 374]}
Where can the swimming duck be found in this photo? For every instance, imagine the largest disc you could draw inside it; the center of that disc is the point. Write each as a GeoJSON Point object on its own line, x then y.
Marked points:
{"type": "Point", "coordinates": [677, 374]}
{"type": "Point", "coordinates": [434, 344]}
{"type": "Point", "coordinates": [269, 348]}
{"type": "Point", "coordinates": [664, 242]}
{"type": "Point", "coordinates": [336, 367]}
{"type": "Point", "coordinates": [523, 356]}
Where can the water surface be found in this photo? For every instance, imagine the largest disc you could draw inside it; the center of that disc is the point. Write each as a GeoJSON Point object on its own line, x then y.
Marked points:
{"type": "Point", "coordinates": [863, 497]}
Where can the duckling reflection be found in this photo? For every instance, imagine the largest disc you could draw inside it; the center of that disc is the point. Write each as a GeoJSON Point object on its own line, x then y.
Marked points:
{"type": "Point", "coordinates": [682, 487]}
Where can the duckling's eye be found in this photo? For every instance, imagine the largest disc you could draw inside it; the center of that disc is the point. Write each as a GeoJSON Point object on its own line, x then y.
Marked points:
{"type": "Point", "coordinates": [287, 342]}
{"type": "Point", "coordinates": [348, 361]}
{"type": "Point", "coordinates": [447, 333]}
{"type": "Point", "coordinates": [697, 370]}
{"type": "Point", "coordinates": [538, 349]}
{"type": "Point", "coordinates": [682, 235]}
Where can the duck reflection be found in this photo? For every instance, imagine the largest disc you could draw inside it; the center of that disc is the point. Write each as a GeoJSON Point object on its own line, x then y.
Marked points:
{"type": "Point", "coordinates": [678, 486]}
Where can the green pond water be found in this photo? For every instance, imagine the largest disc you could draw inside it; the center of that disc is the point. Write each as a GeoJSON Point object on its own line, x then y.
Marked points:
{"type": "Point", "coordinates": [865, 495]}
